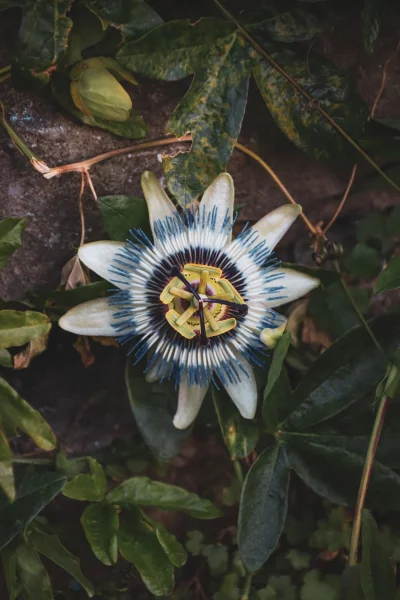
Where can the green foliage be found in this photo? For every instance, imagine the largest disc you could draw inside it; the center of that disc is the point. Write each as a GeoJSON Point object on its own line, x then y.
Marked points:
{"type": "Point", "coordinates": [146, 492]}
{"type": "Point", "coordinates": [19, 327]}
{"type": "Point", "coordinates": [240, 435]}
{"type": "Point", "coordinates": [263, 506]}
{"type": "Point", "coordinates": [88, 487]}
{"type": "Point", "coordinates": [277, 391]}
{"type": "Point", "coordinates": [315, 587]}
{"type": "Point", "coordinates": [123, 213]}
{"type": "Point", "coordinates": [371, 23]}
{"type": "Point", "coordinates": [34, 492]}
{"type": "Point", "coordinates": [333, 533]}
{"type": "Point", "coordinates": [11, 231]}
{"type": "Point", "coordinates": [389, 279]}
{"type": "Point", "coordinates": [377, 575]}
{"type": "Point", "coordinates": [100, 524]}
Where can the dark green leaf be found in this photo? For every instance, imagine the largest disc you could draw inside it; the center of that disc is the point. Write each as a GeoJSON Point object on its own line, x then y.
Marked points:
{"type": "Point", "coordinates": [277, 392]}
{"type": "Point", "coordinates": [88, 487]}
{"type": "Point", "coordinates": [69, 298]}
{"type": "Point", "coordinates": [6, 467]}
{"type": "Point", "coordinates": [11, 231]}
{"type": "Point", "coordinates": [42, 40]}
{"type": "Point", "coordinates": [351, 583]}
{"type": "Point", "coordinates": [34, 578]}
{"type": "Point", "coordinates": [142, 491]}
{"type": "Point", "coordinates": [19, 327]}
{"type": "Point", "coordinates": [377, 574]}
{"type": "Point", "coordinates": [263, 507]}
{"type": "Point", "coordinates": [100, 524]}
{"type": "Point", "coordinates": [34, 492]}
{"type": "Point", "coordinates": [139, 545]}
{"type": "Point", "coordinates": [86, 32]}
{"type": "Point", "coordinates": [153, 406]}
{"type": "Point", "coordinates": [9, 561]}
{"type": "Point", "coordinates": [50, 546]}
{"type": "Point", "coordinates": [240, 435]}
{"type": "Point", "coordinates": [345, 372]}
{"type": "Point", "coordinates": [326, 277]}
{"type": "Point", "coordinates": [296, 25]}
{"type": "Point", "coordinates": [123, 213]}
{"type": "Point", "coordinates": [301, 123]}
{"type": "Point", "coordinates": [133, 128]}
{"type": "Point", "coordinates": [16, 414]}
{"type": "Point", "coordinates": [371, 229]}
{"type": "Point", "coordinates": [389, 279]}
{"type": "Point", "coordinates": [371, 23]}
{"type": "Point", "coordinates": [316, 586]}
{"type": "Point", "coordinates": [133, 18]}
{"type": "Point", "coordinates": [377, 182]}
{"type": "Point", "coordinates": [213, 108]}
{"type": "Point", "coordinates": [334, 473]}
{"type": "Point", "coordinates": [172, 548]}
{"type": "Point", "coordinates": [363, 261]}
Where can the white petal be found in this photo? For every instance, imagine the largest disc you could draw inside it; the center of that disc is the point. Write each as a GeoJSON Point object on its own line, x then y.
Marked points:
{"type": "Point", "coordinates": [90, 318]}
{"type": "Point", "coordinates": [244, 393]}
{"type": "Point", "coordinates": [220, 194]}
{"type": "Point", "coordinates": [295, 285]}
{"type": "Point", "coordinates": [189, 402]}
{"type": "Point", "coordinates": [275, 224]}
{"type": "Point", "coordinates": [99, 257]}
{"type": "Point", "coordinates": [158, 203]}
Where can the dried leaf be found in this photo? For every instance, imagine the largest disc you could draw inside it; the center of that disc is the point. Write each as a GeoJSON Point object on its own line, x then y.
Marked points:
{"type": "Point", "coordinates": [23, 359]}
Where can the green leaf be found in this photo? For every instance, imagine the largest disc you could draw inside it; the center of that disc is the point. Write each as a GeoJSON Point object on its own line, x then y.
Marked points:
{"type": "Point", "coordinates": [172, 548]}
{"type": "Point", "coordinates": [88, 487]}
{"type": "Point", "coordinates": [279, 588]}
{"type": "Point", "coordinates": [139, 545]}
{"type": "Point", "coordinates": [389, 279]}
{"type": "Point", "coordinates": [299, 560]}
{"type": "Point", "coordinates": [278, 391]}
{"type": "Point", "coordinates": [50, 546]}
{"type": "Point", "coordinates": [296, 25]}
{"type": "Point", "coordinates": [133, 128]}
{"type": "Point", "coordinates": [34, 578]}
{"type": "Point", "coordinates": [363, 261]}
{"type": "Point", "coordinates": [123, 213]}
{"type": "Point", "coordinates": [229, 589]}
{"type": "Point", "coordinates": [371, 23]}
{"type": "Point", "coordinates": [333, 533]}
{"type": "Point", "coordinates": [195, 542]}
{"type": "Point", "coordinates": [133, 18]}
{"type": "Point", "coordinates": [68, 298]}
{"type": "Point", "coordinates": [344, 373]}
{"type": "Point", "coordinates": [263, 507]}
{"type": "Point", "coordinates": [240, 435]}
{"type": "Point", "coordinates": [6, 359]}
{"type": "Point", "coordinates": [351, 583]}
{"type": "Point", "coordinates": [334, 472]}
{"type": "Point", "coordinates": [9, 561]}
{"type": "Point", "coordinates": [87, 31]}
{"type": "Point", "coordinates": [19, 327]}
{"type": "Point", "coordinates": [42, 41]}
{"type": "Point", "coordinates": [302, 124]}
{"type": "Point", "coordinates": [143, 491]}
{"type": "Point", "coordinates": [100, 524]}
{"type": "Point", "coordinates": [153, 406]}
{"type": "Point", "coordinates": [217, 558]}
{"type": "Point", "coordinates": [34, 492]}
{"type": "Point", "coordinates": [16, 414]}
{"type": "Point", "coordinates": [11, 231]}
{"type": "Point", "coordinates": [6, 467]}
{"type": "Point", "coordinates": [377, 574]}
{"type": "Point", "coordinates": [213, 108]}
{"type": "Point", "coordinates": [372, 229]}
{"type": "Point", "coordinates": [316, 587]}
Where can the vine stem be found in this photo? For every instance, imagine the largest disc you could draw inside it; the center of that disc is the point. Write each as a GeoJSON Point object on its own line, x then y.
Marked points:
{"type": "Point", "coordinates": [365, 478]}
{"type": "Point", "coordinates": [247, 586]}
{"type": "Point", "coordinates": [5, 69]}
{"type": "Point", "coordinates": [313, 104]}
{"type": "Point", "coordinates": [32, 461]}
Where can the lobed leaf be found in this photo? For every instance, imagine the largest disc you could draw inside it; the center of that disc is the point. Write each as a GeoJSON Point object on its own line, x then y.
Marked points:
{"type": "Point", "coordinates": [123, 213]}
{"type": "Point", "coordinates": [88, 487]}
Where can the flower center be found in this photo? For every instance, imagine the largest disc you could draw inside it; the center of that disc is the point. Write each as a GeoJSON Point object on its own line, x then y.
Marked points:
{"type": "Point", "coordinates": [198, 299]}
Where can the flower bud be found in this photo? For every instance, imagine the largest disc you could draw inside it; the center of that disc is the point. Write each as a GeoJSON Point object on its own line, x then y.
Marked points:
{"type": "Point", "coordinates": [271, 335]}
{"type": "Point", "coordinates": [95, 91]}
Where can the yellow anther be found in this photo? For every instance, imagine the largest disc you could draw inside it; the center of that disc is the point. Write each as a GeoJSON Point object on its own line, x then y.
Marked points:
{"type": "Point", "coordinates": [203, 281]}
{"type": "Point", "coordinates": [166, 297]}
{"type": "Point", "coordinates": [186, 315]}
{"type": "Point", "coordinates": [223, 327]}
{"type": "Point", "coordinates": [227, 296]}
{"type": "Point", "coordinates": [213, 323]}
{"type": "Point", "coordinates": [175, 291]}
{"type": "Point", "coordinates": [214, 272]}
{"type": "Point", "coordinates": [185, 330]}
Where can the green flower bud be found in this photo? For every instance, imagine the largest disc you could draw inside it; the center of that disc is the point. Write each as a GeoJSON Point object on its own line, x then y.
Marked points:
{"type": "Point", "coordinates": [95, 91]}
